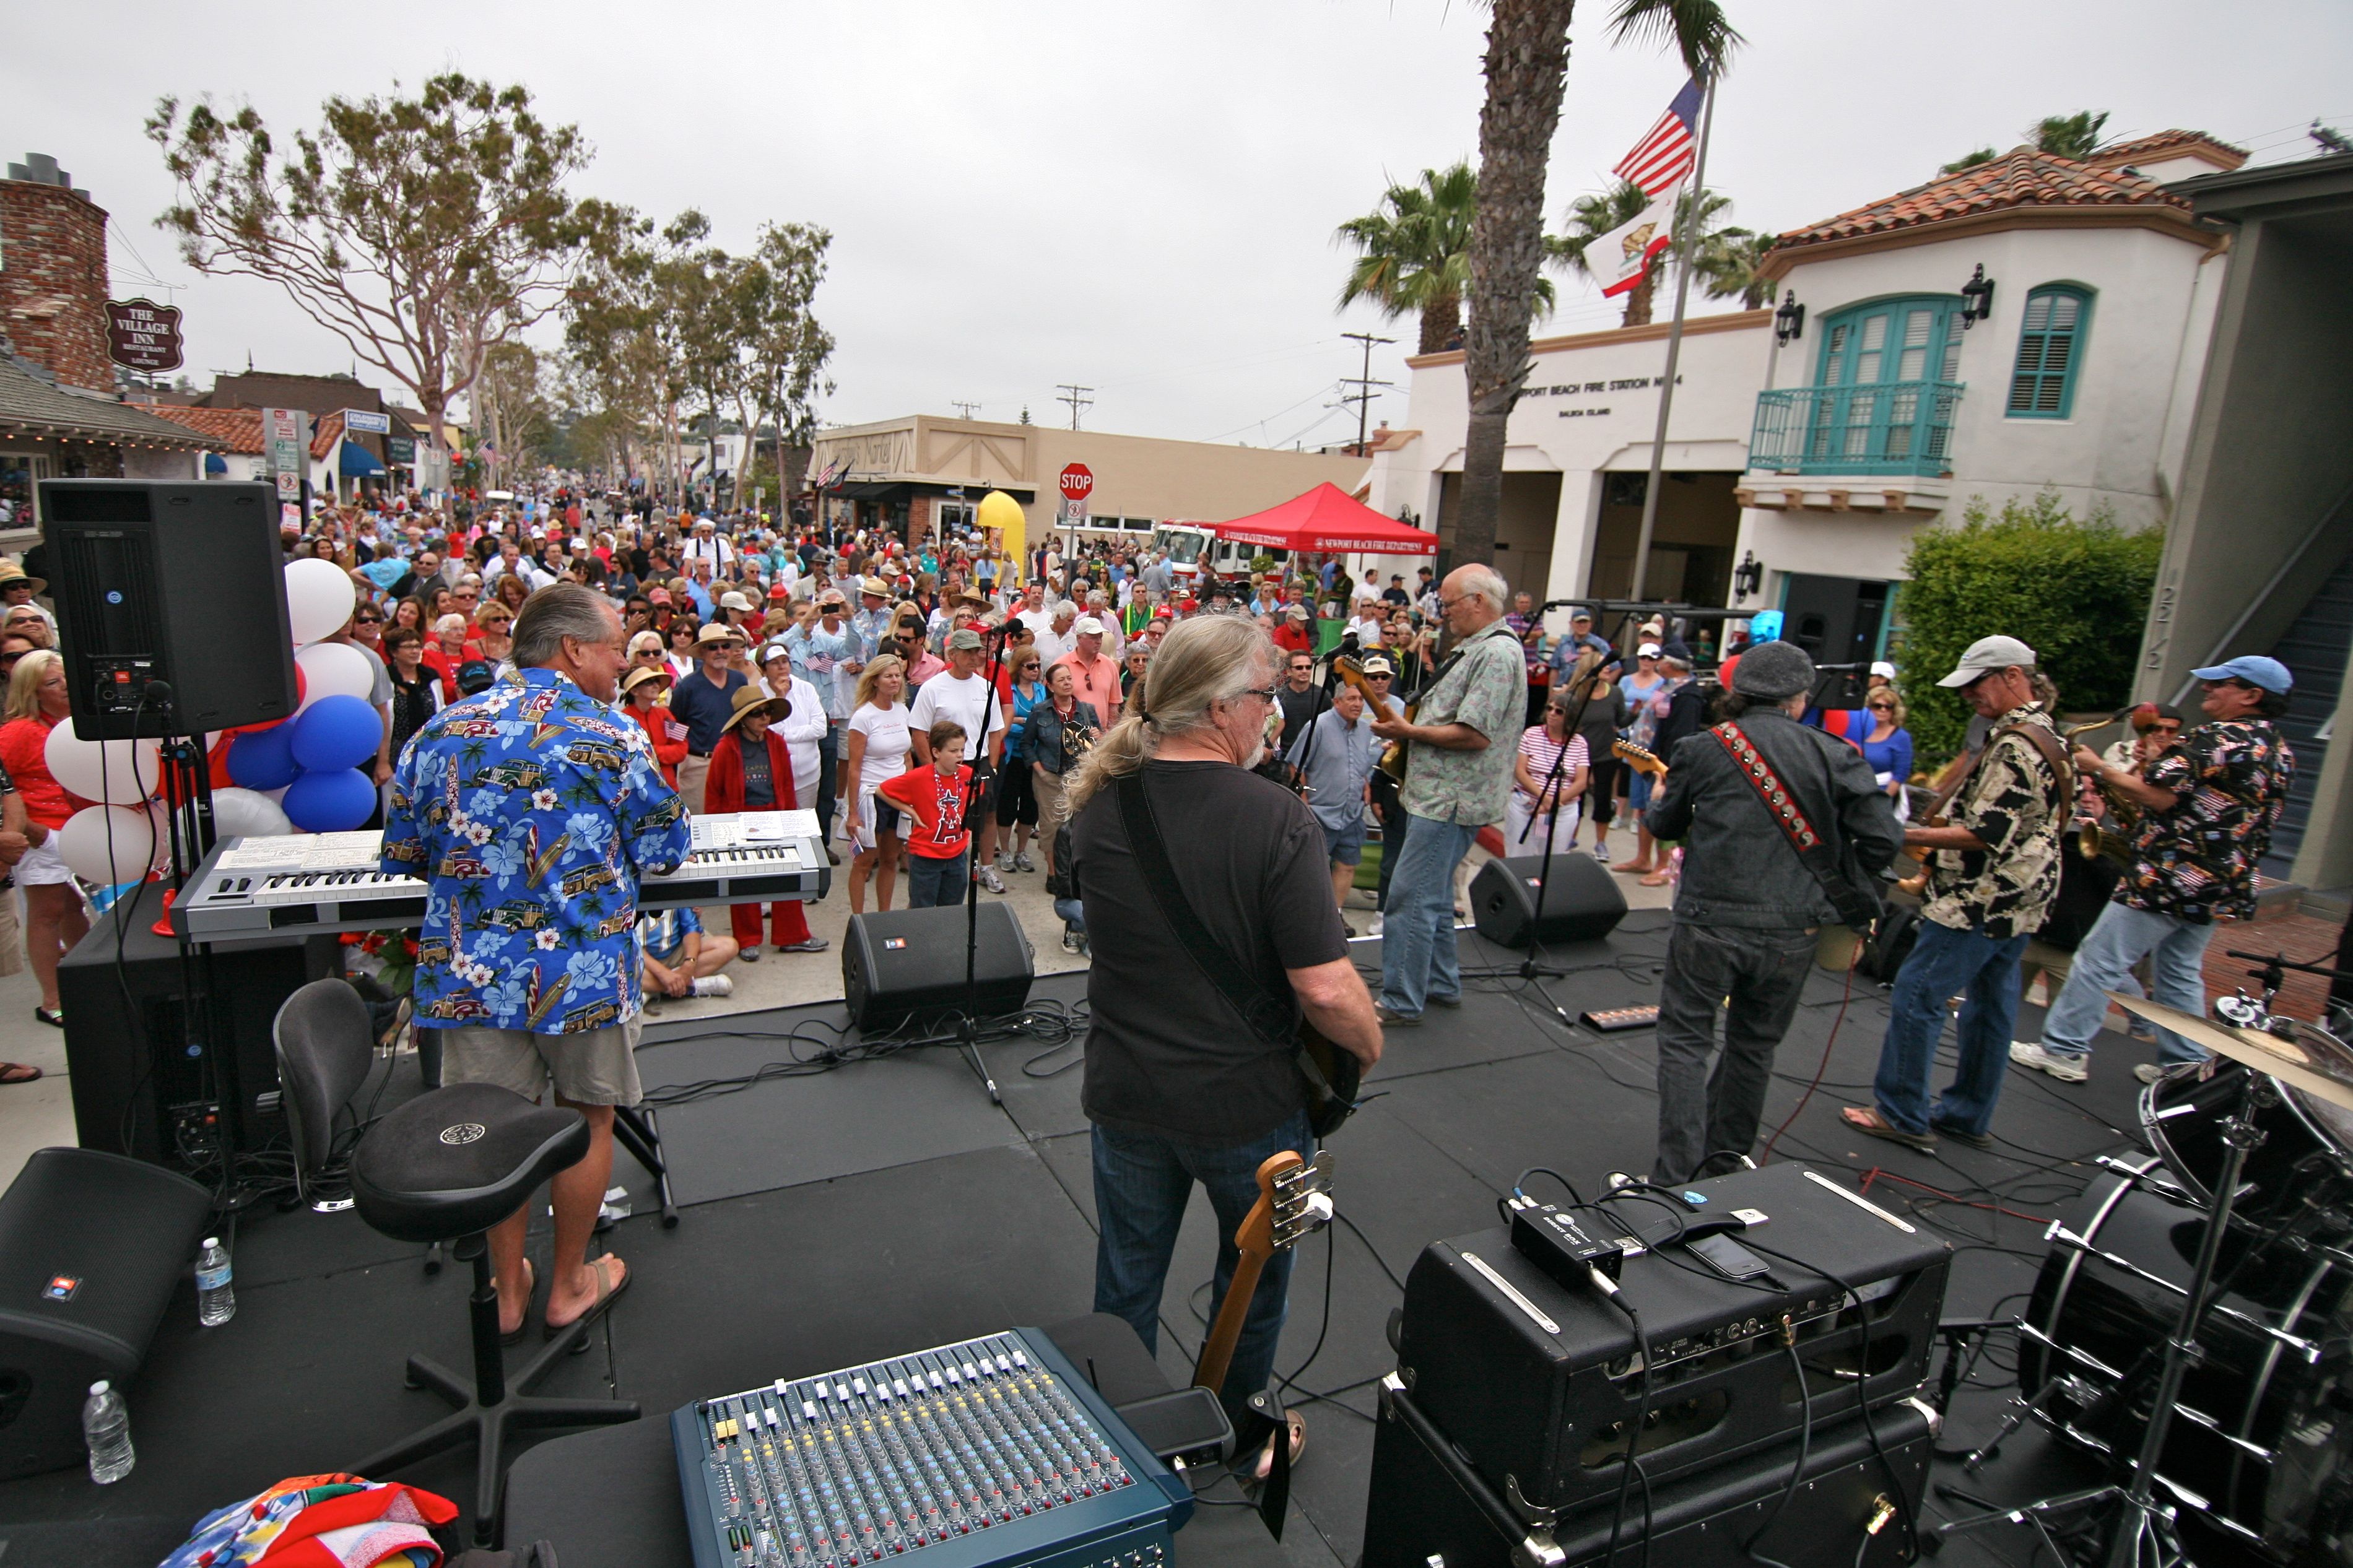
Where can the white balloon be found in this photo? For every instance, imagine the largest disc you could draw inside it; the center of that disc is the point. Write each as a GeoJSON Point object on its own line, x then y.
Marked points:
{"type": "Point", "coordinates": [334, 669]}
{"type": "Point", "coordinates": [247, 814]}
{"type": "Point", "coordinates": [320, 597]}
{"type": "Point", "coordinates": [123, 772]}
{"type": "Point", "coordinates": [83, 843]}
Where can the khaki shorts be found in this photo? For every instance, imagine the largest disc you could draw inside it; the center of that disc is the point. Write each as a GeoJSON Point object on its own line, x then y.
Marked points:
{"type": "Point", "coordinates": [595, 1067]}
{"type": "Point", "coordinates": [12, 934]}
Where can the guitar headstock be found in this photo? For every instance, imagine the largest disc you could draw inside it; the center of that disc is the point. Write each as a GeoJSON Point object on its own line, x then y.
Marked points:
{"type": "Point", "coordinates": [1641, 759]}
{"type": "Point", "coordinates": [1295, 1198]}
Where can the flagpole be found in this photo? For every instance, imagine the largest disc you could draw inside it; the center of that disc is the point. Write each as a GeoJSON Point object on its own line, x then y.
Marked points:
{"type": "Point", "coordinates": [1685, 257]}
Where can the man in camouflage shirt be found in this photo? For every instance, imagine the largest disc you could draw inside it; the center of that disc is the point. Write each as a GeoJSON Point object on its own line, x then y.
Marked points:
{"type": "Point", "coordinates": [2208, 807]}
{"type": "Point", "coordinates": [1990, 880]}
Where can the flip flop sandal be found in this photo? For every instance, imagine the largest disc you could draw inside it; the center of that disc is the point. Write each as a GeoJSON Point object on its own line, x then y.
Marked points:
{"type": "Point", "coordinates": [1869, 1123]}
{"type": "Point", "coordinates": [18, 1072]}
{"type": "Point", "coordinates": [606, 1292]}
{"type": "Point", "coordinates": [531, 1284]}
{"type": "Point", "coordinates": [1297, 1424]}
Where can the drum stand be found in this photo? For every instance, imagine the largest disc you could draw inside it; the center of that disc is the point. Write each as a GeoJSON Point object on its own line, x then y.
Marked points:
{"type": "Point", "coordinates": [2144, 1535]}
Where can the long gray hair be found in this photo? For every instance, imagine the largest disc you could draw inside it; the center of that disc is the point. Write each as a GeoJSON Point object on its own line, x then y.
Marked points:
{"type": "Point", "coordinates": [1210, 659]}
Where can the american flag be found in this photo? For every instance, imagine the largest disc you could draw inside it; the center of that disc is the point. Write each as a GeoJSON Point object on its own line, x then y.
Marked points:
{"type": "Point", "coordinates": [1664, 153]}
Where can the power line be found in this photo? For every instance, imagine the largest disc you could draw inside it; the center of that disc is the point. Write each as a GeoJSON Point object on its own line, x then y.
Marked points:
{"type": "Point", "coordinates": [1364, 384]}
{"type": "Point", "coordinates": [1073, 395]}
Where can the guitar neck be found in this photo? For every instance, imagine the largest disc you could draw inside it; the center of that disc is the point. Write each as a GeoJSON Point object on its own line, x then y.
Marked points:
{"type": "Point", "coordinates": [1217, 1350]}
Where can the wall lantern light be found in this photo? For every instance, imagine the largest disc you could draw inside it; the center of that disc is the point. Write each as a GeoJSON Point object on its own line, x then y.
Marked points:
{"type": "Point", "coordinates": [1790, 321]}
{"type": "Point", "coordinates": [1748, 576]}
{"type": "Point", "coordinates": [1977, 299]}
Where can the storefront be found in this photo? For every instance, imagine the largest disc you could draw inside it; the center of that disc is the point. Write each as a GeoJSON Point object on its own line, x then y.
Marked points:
{"type": "Point", "coordinates": [48, 433]}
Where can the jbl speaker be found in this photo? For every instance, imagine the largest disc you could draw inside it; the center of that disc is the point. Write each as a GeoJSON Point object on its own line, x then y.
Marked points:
{"type": "Point", "coordinates": [91, 1247]}
{"type": "Point", "coordinates": [1516, 903]}
{"type": "Point", "coordinates": [178, 584]}
{"type": "Point", "coordinates": [907, 966]}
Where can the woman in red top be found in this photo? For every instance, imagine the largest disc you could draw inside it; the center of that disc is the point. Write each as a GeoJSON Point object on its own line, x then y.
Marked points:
{"type": "Point", "coordinates": [54, 921]}
{"type": "Point", "coordinates": [751, 771]}
{"type": "Point", "coordinates": [642, 694]}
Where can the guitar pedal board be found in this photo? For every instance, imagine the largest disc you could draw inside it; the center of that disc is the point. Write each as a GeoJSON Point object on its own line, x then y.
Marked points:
{"type": "Point", "coordinates": [1617, 1020]}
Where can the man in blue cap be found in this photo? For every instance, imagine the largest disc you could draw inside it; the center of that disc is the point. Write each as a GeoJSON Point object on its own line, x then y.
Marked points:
{"type": "Point", "coordinates": [2208, 809]}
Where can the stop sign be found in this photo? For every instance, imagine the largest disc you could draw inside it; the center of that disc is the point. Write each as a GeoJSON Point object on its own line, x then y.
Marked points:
{"type": "Point", "coordinates": [1078, 482]}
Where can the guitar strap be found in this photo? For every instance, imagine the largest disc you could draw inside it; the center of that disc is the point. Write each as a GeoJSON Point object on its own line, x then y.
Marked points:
{"type": "Point", "coordinates": [1857, 906]}
{"type": "Point", "coordinates": [1275, 1021]}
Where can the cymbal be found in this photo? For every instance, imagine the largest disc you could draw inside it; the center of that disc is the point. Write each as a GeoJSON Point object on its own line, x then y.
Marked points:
{"type": "Point", "coordinates": [2282, 1059]}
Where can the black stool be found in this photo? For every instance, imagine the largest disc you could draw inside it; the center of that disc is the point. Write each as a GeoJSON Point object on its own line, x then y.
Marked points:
{"type": "Point", "coordinates": [447, 1166]}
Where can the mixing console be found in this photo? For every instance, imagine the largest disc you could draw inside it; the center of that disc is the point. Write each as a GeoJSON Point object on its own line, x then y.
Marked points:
{"type": "Point", "coordinates": [991, 1452]}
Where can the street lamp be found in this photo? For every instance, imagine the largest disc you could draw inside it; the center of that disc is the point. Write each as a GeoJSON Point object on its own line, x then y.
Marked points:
{"type": "Point", "coordinates": [1977, 299]}
{"type": "Point", "coordinates": [1746, 575]}
{"type": "Point", "coordinates": [1790, 321]}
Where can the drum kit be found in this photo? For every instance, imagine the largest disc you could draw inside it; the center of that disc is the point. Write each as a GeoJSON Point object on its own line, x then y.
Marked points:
{"type": "Point", "coordinates": [2193, 1323]}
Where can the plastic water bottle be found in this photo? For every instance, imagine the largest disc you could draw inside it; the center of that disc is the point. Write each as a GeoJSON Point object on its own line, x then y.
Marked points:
{"type": "Point", "coordinates": [216, 1302]}
{"type": "Point", "coordinates": [106, 1428]}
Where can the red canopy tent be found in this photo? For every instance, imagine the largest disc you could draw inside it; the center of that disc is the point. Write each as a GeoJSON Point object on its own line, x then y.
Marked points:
{"type": "Point", "coordinates": [1327, 519]}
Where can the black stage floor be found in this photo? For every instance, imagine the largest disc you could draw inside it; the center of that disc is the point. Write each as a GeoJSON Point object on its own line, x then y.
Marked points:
{"type": "Point", "coordinates": [886, 1205]}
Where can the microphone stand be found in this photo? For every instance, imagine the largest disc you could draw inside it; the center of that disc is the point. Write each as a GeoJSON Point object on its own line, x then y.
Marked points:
{"type": "Point", "coordinates": [968, 1019]}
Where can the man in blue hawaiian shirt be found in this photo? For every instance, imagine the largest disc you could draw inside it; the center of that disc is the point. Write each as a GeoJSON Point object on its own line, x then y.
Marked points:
{"type": "Point", "coordinates": [532, 811]}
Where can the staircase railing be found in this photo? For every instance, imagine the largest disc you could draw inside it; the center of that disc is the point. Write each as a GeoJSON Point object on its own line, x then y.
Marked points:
{"type": "Point", "coordinates": [2214, 654]}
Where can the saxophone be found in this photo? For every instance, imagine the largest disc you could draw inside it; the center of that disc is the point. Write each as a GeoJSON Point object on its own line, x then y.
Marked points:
{"type": "Point", "coordinates": [2093, 841]}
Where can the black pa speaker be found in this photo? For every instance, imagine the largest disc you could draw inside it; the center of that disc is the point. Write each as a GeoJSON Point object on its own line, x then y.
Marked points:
{"type": "Point", "coordinates": [180, 583]}
{"type": "Point", "coordinates": [1514, 904]}
{"type": "Point", "coordinates": [93, 1246]}
{"type": "Point", "coordinates": [906, 966]}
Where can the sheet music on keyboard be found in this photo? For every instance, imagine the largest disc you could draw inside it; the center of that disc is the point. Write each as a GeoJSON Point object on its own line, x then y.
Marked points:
{"type": "Point", "coordinates": [358, 851]}
{"type": "Point", "coordinates": [737, 830]}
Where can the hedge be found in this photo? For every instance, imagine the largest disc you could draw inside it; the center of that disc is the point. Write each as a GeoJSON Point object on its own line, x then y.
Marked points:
{"type": "Point", "coordinates": [2075, 591]}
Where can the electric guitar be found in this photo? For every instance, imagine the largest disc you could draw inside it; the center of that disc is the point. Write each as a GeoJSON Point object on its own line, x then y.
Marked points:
{"type": "Point", "coordinates": [1641, 759]}
{"type": "Point", "coordinates": [1294, 1199]}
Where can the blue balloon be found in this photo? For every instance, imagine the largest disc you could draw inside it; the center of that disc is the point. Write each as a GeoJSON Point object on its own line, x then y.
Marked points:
{"type": "Point", "coordinates": [263, 759]}
{"type": "Point", "coordinates": [334, 800]}
{"type": "Point", "coordinates": [336, 733]}
{"type": "Point", "coordinates": [1763, 626]}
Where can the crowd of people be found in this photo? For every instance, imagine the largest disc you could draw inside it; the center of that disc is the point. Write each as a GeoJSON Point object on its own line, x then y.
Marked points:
{"type": "Point", "coordinates": [952, 716]}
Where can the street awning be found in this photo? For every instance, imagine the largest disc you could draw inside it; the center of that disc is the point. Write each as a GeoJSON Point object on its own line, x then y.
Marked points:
{"type": "Point", "coordinates": [1327, 519]}
{"type": "Point", "coordinates": [215, 463]}
{"type": "Point", "coordinates": [356, 462]}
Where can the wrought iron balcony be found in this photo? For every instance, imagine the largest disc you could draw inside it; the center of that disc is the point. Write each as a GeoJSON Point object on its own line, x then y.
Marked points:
{"type": "Point", "coordinates": [1883, 428]}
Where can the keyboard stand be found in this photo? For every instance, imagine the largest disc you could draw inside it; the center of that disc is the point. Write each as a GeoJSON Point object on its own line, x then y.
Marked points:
{"type": "Point", "coordinates": [636, 1129]}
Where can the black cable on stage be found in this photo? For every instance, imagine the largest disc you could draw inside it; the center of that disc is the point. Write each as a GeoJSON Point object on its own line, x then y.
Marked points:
{"type": "Point", "coordinates": [1634, 1433]}
{"type": "Point", "coordinates": [1805, 1448]}
{"type": "Point", "coordinates": [1827, 1045]}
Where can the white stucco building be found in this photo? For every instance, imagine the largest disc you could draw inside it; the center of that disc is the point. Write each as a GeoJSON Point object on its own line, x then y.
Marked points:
{"type": "Point", "coordinates": [1817, 454]}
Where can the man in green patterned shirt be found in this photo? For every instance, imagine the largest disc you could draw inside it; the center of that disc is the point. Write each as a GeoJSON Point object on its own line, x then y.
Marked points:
{"type": "Point", "coordinates": [1459, 752]}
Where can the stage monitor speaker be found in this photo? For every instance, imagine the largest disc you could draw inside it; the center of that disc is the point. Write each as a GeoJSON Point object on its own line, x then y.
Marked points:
{"type": "Point", "coordinates": [180, 583]}
{"type": "Point", "coordinates": [906, 966]}
{"type": "Point", "coordinates": [1513, 904]}
{"type": "Point", "coordinates": [92, 1248]}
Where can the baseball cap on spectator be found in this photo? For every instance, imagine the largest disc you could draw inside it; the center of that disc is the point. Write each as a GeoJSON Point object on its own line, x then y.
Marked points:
{"type": "Point", "coordinates": [1376, 665]}
{"type": "Point", "coordinates": [1881, 666]}
{"type": "Point", "coordinates": [964, 639]}
{"type": "Point", "coordinates": [1982, 657]}
{"type": "Point", "coordinates": [1298, 612]}
{"type": "Point", "coordinates": [657, 596]}
{"type": "Point", "coordinates": [774, 650]}
{"type": "Point", "coordinates": [1577, 616]}
{"type": "Point", "coordinates": [716, 631]}
{"type": "Point", "coordinates": [730, 600]}
{"type": "Point", "coordinates": [2255, 669]}
{"type": "Point", "coordinates": [1648, 650]}
{"type": "Point", "coordinates": [1088, 626]}
{"type": "Point", "coordinates": [474, 675]}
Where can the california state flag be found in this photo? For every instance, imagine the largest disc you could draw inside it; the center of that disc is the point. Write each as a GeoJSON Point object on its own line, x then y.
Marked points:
{"type": "Point", "coordinates": [1619, 258]}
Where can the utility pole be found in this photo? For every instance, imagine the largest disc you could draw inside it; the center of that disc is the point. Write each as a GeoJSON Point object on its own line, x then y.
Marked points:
{"type": "Point", "coordinates": [966, 409]}
{"type": "Point", "coordinates": [1075, 396]}
{"type": "Point", "coordinates": [1364, 384]}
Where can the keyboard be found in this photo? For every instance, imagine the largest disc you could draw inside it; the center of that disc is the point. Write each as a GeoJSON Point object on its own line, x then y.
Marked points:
{"type": "Point", "coordinates": [310, 884]}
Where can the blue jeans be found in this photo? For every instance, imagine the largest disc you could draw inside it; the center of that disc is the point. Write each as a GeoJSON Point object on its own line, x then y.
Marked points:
{"type": "Point", "coordinates": [1417, 958]}
{"type": "Point", "coordinates": [2103, 961]}
{"type": "Point", "coordinates": [1143, 1182]}
{"type": "Point", "coordinates": [828, 761]}
{"type": "Point", "coordinates": [1983, 971]}
{"type": "Point", "coordinates": [932, 883]}
{"type": "Point", "coordinates": [1072, 913]}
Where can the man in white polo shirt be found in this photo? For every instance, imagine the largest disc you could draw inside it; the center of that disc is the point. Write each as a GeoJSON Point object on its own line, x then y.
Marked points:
{"type": "Point", "coordinates": [962, 693]}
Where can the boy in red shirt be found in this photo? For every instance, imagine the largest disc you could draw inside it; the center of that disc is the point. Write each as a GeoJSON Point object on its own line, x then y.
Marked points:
{"type": "Point", "coordinates": [934, 799]}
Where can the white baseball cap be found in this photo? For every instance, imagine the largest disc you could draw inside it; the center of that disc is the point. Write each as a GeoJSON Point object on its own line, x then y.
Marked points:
{"type": "Point", "coordinates": [1987, 655]}
{"type": "Point", "coordinates": [1088, 626]}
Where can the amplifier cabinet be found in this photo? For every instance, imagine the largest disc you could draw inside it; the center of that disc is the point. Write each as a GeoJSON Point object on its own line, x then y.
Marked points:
{"type": "Point", "coordinates": [1536, 1384]}
{"type": "Point", "coordinates": [1422, 1509]}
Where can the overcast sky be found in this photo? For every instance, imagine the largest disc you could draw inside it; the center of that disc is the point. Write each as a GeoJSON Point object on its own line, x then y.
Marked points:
{"type": "Point", "coordinates": [1140, 199]}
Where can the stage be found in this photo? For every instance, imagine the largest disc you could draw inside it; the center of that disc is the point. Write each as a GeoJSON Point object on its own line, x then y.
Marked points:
{"type": "Point", "coordinates": [885, 1205]}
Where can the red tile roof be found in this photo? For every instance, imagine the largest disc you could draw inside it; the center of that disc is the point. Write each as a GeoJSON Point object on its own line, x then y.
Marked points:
{"type": "Point", "coordinates": [227, 429]}
{"type": "Point", "coordinates": [2021, 177]}
{"type": "Point", "coordinates": [329, 431]}
{"type": "Point", "coordinates": [2168, 143]}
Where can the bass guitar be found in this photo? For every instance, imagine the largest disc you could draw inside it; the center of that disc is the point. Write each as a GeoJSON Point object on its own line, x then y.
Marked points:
{"type": "Point", "coordinates": [1641, 759]}
{"type": "Point", "coordinates": [1295, 1200]}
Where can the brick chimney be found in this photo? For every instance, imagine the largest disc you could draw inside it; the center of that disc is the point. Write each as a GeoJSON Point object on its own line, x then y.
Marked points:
{"type": "Point", "coordinates": [53, 277]}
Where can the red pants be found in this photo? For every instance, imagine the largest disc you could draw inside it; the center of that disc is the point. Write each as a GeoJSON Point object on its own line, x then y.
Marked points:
{"type": "Point", "coordinates": [784, 920]}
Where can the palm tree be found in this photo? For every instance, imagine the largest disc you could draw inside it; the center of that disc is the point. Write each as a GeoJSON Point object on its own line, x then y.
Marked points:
{"type": "Point", "coordinates": [1414, 252]}
{"type": "Point", "coordinates": [1526, 66]}
{"type": "Point", "coordinates": [1595, 216]}
{"type": "Point", "coordinates": [2064, 135]}
{"type": "Point", "coordinates": [1729, 264]}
